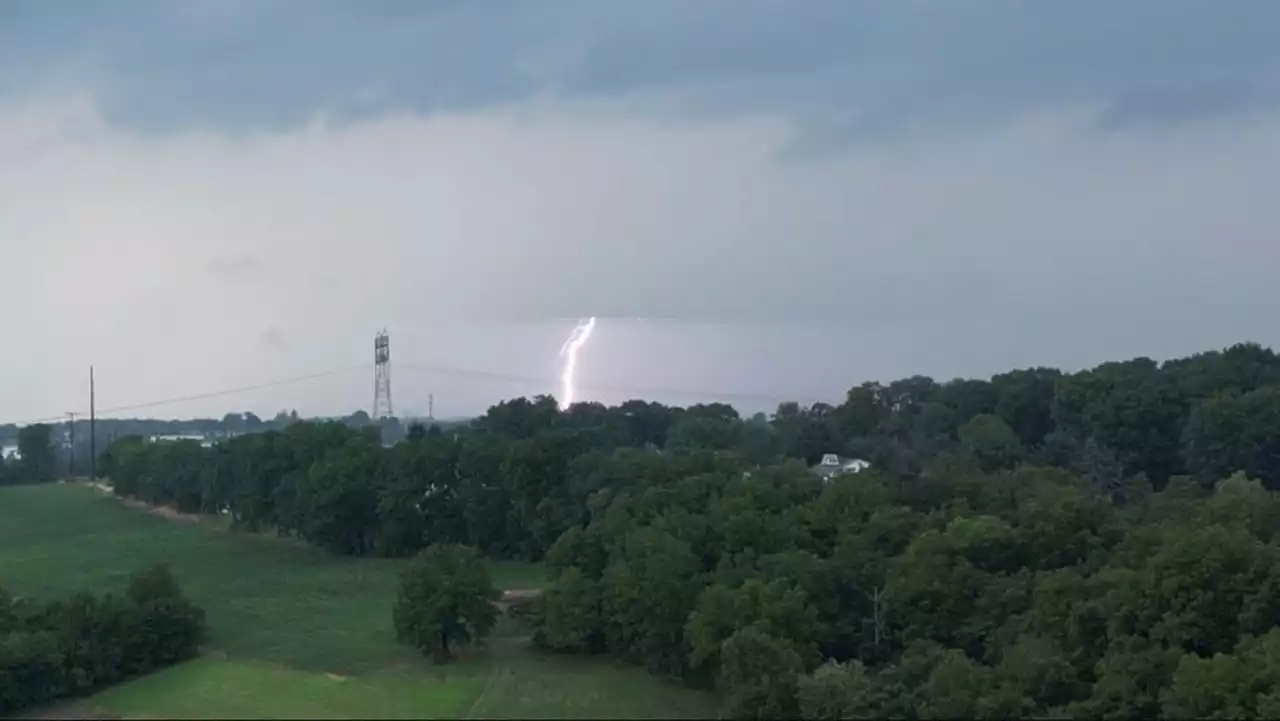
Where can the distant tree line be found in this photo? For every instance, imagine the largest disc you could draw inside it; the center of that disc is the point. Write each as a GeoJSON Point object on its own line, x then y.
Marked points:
{"type": "Point", "coordinates": [109, 428]}
{"type": "Point", "coordinates": [55, 456]}
{"type": "Point", "coordinates": [1036, 543]}
{"type": "Point", "coordinates": [71, 647]}
{"type": "Point", "coordinates": [230, 424]}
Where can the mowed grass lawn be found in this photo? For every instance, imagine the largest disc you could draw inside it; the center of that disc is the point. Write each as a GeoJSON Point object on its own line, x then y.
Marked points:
{"type": "Point", "coordinates": [296, 632]}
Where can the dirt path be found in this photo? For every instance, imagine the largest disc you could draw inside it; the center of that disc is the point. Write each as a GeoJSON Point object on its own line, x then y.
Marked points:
{"type": "Point", "coordinates": [163, 511]}
{"type": "Point", "coordinates": [497, 648]}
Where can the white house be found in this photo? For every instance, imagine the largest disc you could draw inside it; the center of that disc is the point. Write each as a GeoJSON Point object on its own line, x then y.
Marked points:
{"type": "Point", "coordinates": [833, 465]}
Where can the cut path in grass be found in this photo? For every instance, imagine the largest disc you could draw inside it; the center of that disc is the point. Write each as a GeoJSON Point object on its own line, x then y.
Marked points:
{"type": "Point", "coordinates": [295, 631]}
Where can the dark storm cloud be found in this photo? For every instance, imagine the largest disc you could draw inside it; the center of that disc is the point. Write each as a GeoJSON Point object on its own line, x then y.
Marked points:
{"type": "Point", "coordinates": [243, 65]}
{"type": "Point", "coordinates": [994, 190]}
{"type": "Point", "coordinates": [1176, 106]}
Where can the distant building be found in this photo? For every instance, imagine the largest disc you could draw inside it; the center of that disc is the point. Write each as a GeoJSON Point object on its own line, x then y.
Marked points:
{"type": "Point", "coordinates": [204, 441]}
{"type": "Point", "coordinates": [833, 465]}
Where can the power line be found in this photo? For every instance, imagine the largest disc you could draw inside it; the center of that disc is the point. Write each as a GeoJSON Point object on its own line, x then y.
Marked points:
{"type": "Point", "coordinates": [636, 391]}
{"type": "Point", "coordinates": [639, 390]}
{"type": "Point", "coordinates": [209, 394]}
{"type": "Point", "coordinates": [242, 389]}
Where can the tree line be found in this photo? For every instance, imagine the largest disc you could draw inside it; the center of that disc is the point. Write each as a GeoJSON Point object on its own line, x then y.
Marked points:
{"type": "Point", "coordinates": [73, 646]}
{"type": "Point", "coordinates": [72, 453]}
{"type": "Point", "coordinates": [1036, 543]}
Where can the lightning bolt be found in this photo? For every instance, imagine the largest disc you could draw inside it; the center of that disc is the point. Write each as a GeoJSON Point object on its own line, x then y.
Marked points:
{"type": "Point", "coordinates": [569, 352]}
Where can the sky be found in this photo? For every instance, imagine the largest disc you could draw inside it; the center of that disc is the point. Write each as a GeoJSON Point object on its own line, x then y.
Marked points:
{"type": "Point", "coordinates": [760, 199]}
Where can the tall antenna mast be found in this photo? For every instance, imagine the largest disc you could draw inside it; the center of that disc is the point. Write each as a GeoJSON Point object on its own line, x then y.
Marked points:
{"type": "Point", "coordinates": [382, 377]}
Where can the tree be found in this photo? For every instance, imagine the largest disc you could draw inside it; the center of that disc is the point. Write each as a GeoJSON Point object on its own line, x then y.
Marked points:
{"type": "Point", "coordinates": [232, 423]}
{"type": "Point", "coordinates": [772, 607]}
{"type": "Point", "coordinates": [417, 432]}
{"type": "Point", "coordinates": [692, 432]}
{"type": "Point", "coordinates": [991, 442]}
{"type": "Point", "coordinates": [760, 675]}
{"type": "Point", "coordinates": [1235, 432]}
{"type": "Point", "coordinates": [35, 450]}
{"type": "Point", "coordinates": [446, 598]}
{"type": "Point", "coordinates": [1244, 684]}
{"type": "Point", "coordinates": [839, 691]}
{"type": "Point", "coordinates": [648, 589]}
{"type": "Point", "coordinates": [171, 627]}
{"type": "Point", "coordinates": [339, 495]}
{"type": "Point", "coordinates": [1025, 402]}
{"type": "Point", "coordinates": [570, 614]}
{"type": "Point", "coordinates": [359, 419]}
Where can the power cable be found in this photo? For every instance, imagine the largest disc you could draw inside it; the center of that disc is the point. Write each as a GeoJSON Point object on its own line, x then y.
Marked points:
{"type": "Point", "coordinates": [208, 394]}
{"type": "Point", "coordinates": [639, 390]}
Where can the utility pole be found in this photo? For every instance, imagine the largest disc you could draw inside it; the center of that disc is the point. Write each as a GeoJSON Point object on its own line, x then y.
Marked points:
{"type": "Point", "coordinates": [71, 445]}
{"type": "Point", "coordinates": [93, 432]}
{"type": "Point", "coordinates": [382, 377]}
{"type": "Point", "coordinates": [431, 406]}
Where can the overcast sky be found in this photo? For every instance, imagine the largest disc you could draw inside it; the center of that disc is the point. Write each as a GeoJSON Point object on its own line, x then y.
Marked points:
{"type": "Point", "coordinates": [761, 199]}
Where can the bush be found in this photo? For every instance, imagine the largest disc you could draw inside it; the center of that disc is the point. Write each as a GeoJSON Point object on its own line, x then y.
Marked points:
{"type": "Point", "coordinates": [74, 646]}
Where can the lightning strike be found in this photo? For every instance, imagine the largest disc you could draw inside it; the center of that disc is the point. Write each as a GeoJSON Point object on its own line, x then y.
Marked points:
{"type": "Point", "coordinates": [569, 352]}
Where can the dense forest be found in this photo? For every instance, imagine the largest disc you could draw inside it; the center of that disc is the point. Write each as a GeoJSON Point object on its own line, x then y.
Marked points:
{"type": "Point", "coordinates": [1100, 543]}
{"type": "Point", "coordinates": [73, 646]}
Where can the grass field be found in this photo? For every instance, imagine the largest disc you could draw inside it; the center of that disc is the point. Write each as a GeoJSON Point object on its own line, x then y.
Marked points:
{"type": "Point", "coordinates": [296, 632]}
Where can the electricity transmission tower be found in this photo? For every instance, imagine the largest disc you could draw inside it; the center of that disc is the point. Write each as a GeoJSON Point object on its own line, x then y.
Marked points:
{"type": "Point", "coordinates": [382, 377]}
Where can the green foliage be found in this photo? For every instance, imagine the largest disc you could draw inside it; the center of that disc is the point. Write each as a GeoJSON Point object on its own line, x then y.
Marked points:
{"type": "Point", "coordinates": [991, 442]}
{"type": "Point", "coordinates": [774, 607]}
{"type": "Point", "coordinates": [1241, 685]}
{"type": "Point", "coordinates": [71, 647]}
{"type": "Point", "coordinates": [445, 598]}
{"type": "Point", "coordinates": [839, 691]}
{"type": "Point", "coordinates": [569, 614]}
{"type": "Point", "coordinates": [1039, 543]}
{"type": "Point", "coordinates": [35, 463]}
{"type": "Point", "coordinates": [1235, 432]}
{"type": "Point", "coordinates": [648, 590]}
{"type": "Point", "coordinates": [759, 674]}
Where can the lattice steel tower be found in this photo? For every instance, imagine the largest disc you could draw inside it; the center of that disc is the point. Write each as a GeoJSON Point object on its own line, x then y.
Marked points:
{"type": "Point", "coordinates": [382, 377]}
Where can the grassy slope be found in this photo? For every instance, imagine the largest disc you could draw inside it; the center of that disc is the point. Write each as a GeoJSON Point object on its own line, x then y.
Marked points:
{"type": "Point", "coordinates": [294, 631]}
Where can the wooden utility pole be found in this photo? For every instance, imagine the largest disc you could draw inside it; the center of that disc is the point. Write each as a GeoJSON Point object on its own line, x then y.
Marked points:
{"type": "Point", "coordinates": [93, 432]}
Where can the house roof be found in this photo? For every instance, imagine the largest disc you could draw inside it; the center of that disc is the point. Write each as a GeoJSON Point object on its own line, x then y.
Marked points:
{"type": "Point", "coordinates": [832, 464]}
